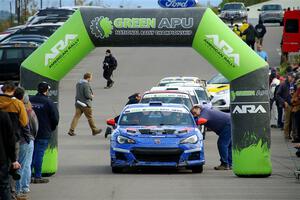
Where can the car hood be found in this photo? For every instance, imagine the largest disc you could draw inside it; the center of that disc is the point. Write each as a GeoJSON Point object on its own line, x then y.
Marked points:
{"type": "Point", "coordinates": [157, 131]}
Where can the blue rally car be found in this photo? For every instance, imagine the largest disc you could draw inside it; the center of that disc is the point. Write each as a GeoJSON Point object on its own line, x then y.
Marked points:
{"type": "Point", "coordinates": [156, 135]}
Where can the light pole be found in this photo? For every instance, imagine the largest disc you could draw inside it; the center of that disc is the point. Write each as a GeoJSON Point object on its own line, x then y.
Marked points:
{"type": "Point", "coordinates": [41, 2]}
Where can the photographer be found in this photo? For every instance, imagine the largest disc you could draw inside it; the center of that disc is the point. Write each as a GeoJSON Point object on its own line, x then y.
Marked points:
{"type": "Point", "coordinates": [7, 155]}
{"type": "Point", "coordinates": [109, 65]}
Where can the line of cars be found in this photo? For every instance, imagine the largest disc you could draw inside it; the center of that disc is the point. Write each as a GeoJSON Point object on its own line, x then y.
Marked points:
{"type": "Point", "coordinates": [160, 131]}
{"type": "Point", "coordinates": [236, 12]}
{"type": "Point", "coordinates": [17, 43]}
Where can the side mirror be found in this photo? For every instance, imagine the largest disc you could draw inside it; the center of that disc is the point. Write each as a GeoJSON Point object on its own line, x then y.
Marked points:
{"type": "Point", "coordinates": [111, 122]}
{"type": "Point", "coordinates": [259, 9]}
{"type": "Point", "coordinates": [248, 9]}
{"type": "Point", "coordinates": [219, 10]}
{"type": "Point", "coordinates": [201, 121]}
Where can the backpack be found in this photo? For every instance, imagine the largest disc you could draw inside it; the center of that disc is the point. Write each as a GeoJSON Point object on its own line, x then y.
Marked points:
{"type": "Point", "coordinates": [115, 65]}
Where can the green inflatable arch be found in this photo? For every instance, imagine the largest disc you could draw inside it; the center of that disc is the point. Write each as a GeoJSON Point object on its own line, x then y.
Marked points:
{"type": "Point", "coordinates": [199, 28]}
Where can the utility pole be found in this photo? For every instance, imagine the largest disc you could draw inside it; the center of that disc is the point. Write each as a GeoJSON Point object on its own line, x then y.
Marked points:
{"type": "Point", "coordinates": [74, 2]}
{"type": "Point", "coordinates": [41, 2]}
{"type": "Point", "coordinates": [10, 10]}
{"type": "Point", "coordinates": [25, 8]}
{"type": "Point", "coordinates": [17, 10]}
{"type": "Point", "coordinates": [59, 3]}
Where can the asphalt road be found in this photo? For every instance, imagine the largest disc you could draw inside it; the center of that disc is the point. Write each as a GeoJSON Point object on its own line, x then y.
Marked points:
{"type": "Point", "coordinates": [84, 171]}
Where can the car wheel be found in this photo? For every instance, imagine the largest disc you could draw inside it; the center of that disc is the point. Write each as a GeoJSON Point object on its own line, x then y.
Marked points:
{"type": "Point", "coordinates": [197, 169]}
{"type": "Point", "coordinates": [116, 170]}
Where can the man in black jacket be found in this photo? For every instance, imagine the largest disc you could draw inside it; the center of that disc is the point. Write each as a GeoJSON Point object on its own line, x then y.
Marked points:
{"type": "Point", "coordinates": [48, 118]}
{"type": "Point", "coordinates": [109, 65]}
{"type": "Point", "coordinates": [261, 31]}
{"type": "Point", "coordinates": [284, 96]}
{"type": "Point", "coordinates": [251, 34]}
{"type": "Point", "coordinates": [7, 154]}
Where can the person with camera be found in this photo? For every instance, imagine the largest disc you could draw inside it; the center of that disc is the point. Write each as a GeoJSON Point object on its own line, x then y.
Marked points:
{"type": "Point", "coordinates": [8, 157]}
{"type": "Point", "coordinates": [109, 65]}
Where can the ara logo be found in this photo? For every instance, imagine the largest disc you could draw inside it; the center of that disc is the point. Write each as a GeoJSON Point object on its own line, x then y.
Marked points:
{"type": "Point", "coordinates": [59, 47]}
{"type": "Point", "coordinates": [225, 48]}
{"type": "Point", "coordinates": [177, 3]}
{"type": "Point", "coordinates": [252, 109]}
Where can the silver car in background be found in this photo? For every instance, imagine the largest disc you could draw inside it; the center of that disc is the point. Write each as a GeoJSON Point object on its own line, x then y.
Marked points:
{"type": "Point", "coordinates": [271, 13]}
{"type": "Point", "coordinates": [234, 12]}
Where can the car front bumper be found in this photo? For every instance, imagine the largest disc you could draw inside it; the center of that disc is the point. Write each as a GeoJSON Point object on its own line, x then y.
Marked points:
{"type": "Point", "coordinates": [141, 156]}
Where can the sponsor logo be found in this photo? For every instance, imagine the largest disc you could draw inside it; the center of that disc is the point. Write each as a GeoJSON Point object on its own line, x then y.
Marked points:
{"type": "Point", "coordinates": [223, 49]}
{"type": "Point", "coordinates": [177, 3]}
{"type": "Point", "coordinates": [59, 47]}
{"type": "Point", "coordinates": [248, 93]}
{"type": "Point", "coordinates": [102, 27]}
{"type": "Point", "coordinates": [252, 109]}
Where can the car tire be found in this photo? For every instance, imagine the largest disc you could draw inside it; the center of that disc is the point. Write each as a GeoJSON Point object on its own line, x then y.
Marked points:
{"type": "Point", "coordinates": [116, 170]}
{"type": "Point", "coordinates": [197, 169]}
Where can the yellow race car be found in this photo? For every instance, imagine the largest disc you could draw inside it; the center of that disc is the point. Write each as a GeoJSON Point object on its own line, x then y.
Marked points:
{"type": "Point", "coordinates": [217, 84]}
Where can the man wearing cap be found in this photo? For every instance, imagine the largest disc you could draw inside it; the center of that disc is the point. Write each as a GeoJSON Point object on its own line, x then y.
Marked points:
{"type": "Point", "coordinates": [284, 96]}
{"type": "Point", "coordinates": [220, 123]}
{"type": "Point", "coordinates": [48, 118]}
{"type": "Point", "coordinates": [109, 65]}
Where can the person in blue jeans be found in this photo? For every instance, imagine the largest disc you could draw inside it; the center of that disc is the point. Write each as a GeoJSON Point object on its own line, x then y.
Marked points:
{"type": "Point", "coordinates": [220, 123]}
{"type": "Point", "coordinates": [28, 134]}
{"type": "Point", "coordinates": [48, 118]}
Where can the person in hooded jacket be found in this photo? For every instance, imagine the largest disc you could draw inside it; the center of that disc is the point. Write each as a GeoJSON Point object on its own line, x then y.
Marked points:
{"type": "Point", "coordinates": [109, 65]}
{"type": "Point", "coordinates": [261, 31]}
{"type": "Point", "coordinates": [17, 112]}
{"type": "Point", "coordinates": [48, 118]}
{"type": "Point", "coordinates": [251, 35]}
{"type": "Point", "coordinates": [132, 99]}
{"type": "Point", "coordinates": [28, 134]}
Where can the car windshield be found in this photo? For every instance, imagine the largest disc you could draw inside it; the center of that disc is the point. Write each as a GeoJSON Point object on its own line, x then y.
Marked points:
{"type": "Point", "coordinates": [39, 30]}
{"type": "Point", "coordinates": [57, 12]}
{"type": "Point", "coordinates": [271, 7]}
{"type": "Point", "coordinates": [202, 95]}
{"type": "Point", "coordinates": [233, 7]}
{"type": "Point", "coordinates": [156, 116]}
{"type": "Point", "coordinates": [218, 79]}
{"type": "Point", "coordinates": [168, 98]}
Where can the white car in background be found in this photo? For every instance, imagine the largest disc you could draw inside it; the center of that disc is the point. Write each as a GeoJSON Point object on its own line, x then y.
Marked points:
{"type": "Point", "coordinates": [221, 100]}
{"type": "Point", "coordinates": [180, 79]}
{"type": "Point", "coordinates": [198, 94]}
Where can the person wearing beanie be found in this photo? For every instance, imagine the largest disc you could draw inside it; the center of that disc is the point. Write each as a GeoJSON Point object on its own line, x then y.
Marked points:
{"type": "Point", "coordinates": [48, 118]}
{"type": "Point", "coordinates": [109, 65]}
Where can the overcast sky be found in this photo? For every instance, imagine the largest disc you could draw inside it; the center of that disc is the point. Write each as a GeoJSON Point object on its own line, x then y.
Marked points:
{"type": "Point", "coordinates": [4, 4]}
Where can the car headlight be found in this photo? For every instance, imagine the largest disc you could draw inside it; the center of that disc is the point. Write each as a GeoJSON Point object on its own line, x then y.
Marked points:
{"type": "Point", "coordinates": [124, 140]}
{"type": "Point", "coordinates": [190, 140]}
{"type": "Point", "coordinates": [222, 92]}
